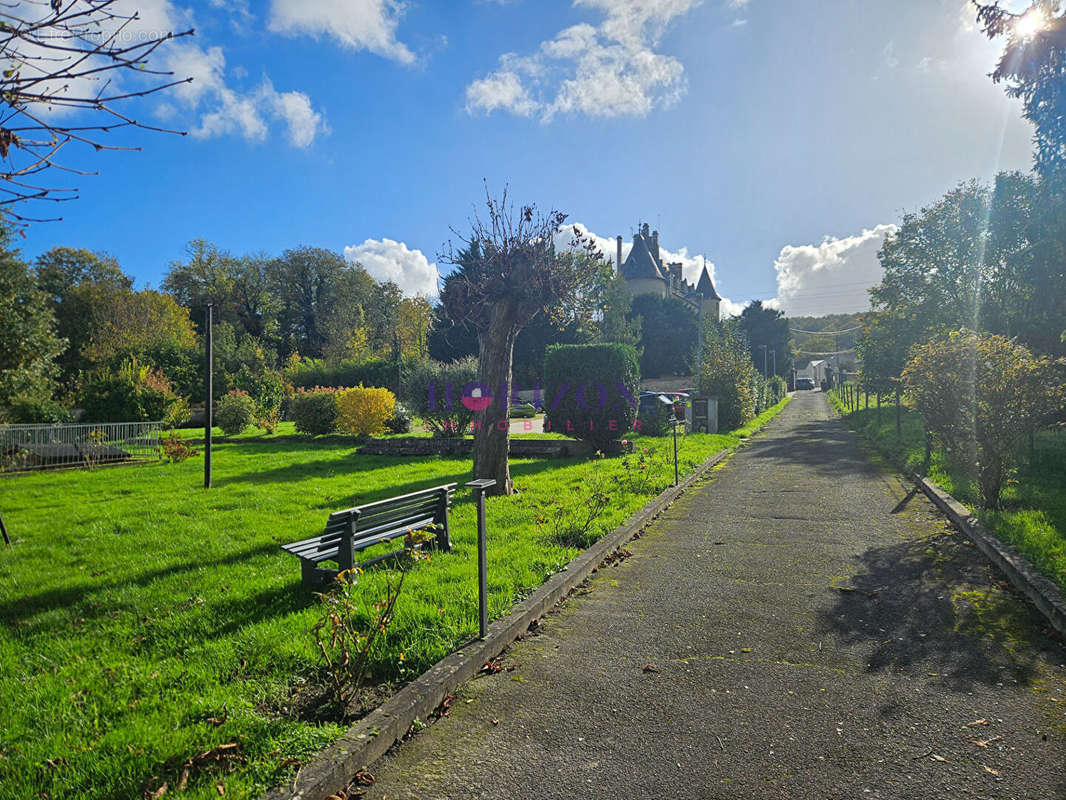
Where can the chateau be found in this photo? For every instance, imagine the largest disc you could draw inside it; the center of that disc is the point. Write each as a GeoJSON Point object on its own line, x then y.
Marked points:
{"type": "Point", "coordinates": [645, 273]}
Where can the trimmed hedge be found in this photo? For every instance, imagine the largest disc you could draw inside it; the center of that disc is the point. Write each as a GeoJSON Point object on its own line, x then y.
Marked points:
{"type": "Point", "coordinates": [591, 391]}
{"type": "Point", "coordinates": [314, 410]}
{"type": "Point", "coordinates": [311, 373]}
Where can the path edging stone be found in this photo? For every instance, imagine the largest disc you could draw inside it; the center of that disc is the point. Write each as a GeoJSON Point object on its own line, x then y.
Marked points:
{"type": "Point", "coordinates": [366, 741]}
{"type": "Point", "coordinates": [1044, 594]}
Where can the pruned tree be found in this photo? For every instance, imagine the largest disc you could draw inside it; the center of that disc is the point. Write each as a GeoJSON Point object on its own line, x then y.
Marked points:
{"type": "Point", "coordinates": [508, 273]}
{"type": "Point", "coordinates": [61, 61]}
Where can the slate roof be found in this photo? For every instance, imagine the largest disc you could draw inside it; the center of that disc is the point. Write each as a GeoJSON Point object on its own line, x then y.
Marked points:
{"type": "Point", "coordinates": [706, 286]}
{"type": "Point", "coordinates": [641, 263]}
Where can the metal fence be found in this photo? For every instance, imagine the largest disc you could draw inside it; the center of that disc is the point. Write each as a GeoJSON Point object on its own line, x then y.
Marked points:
{"type": "Point", "coordinates": [30, 447]}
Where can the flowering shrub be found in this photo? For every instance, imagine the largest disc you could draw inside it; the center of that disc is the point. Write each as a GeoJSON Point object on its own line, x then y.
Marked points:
{"type": "Point", "coordinates": [176, 449]}
{"type": "Point", "coordinates": [235, 412]}
{"type": "Point", "coordinates": [314, 410]}
{"type": "Point", "coordinates": [364, 411]}
{"type": "Point", "coordinates": [401, 420]}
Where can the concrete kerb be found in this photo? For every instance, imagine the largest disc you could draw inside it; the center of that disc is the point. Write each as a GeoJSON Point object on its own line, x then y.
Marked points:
{"type": "Point", "coordinates": [1044, 594]}
{"type": "Point", "coordinates": [365, 742]}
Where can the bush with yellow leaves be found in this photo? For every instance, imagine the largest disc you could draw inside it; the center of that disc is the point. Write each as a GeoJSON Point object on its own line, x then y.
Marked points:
{"type": "Point", "coordinates": [363, 411]}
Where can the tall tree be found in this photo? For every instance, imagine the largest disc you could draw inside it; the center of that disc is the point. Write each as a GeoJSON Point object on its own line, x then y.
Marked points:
{"type": "Point", "coordinates": [29, 344]}
{"type": "Point", "coordinates": [510, 273]}
{"type": "Point", "coordinates": [75, 280]}
{"type": "Point", "coordinates": [668, 335]}
{"type": "Point", "coordinates": [618, 323]}
{"type": "Point", "coordinates": [310, 283]}
{"type": "Point", "coordinates": [767, 328]}
{"type": "Point", "coordinates": [1033, 66]}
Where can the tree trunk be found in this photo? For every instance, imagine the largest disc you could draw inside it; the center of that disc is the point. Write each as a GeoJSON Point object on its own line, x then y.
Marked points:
{"type": "Point", "coordinates": [492, 435]}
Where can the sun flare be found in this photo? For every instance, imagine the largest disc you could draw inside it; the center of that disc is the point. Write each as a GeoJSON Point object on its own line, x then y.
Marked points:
{"type": "Point", "coordinates": [1030, 23]}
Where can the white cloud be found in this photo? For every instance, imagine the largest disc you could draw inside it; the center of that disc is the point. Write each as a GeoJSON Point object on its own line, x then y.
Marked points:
{"type": "Point", "coordinates": [389, 260]}
{"type": "Point", "coordinates": [358, 24]}
{"type": "Point", "coordinates": [738, 5]}
{"type": "Point", "coordinates": [832, 277]}
{"type": "Point", "coordinates": [608, 70]}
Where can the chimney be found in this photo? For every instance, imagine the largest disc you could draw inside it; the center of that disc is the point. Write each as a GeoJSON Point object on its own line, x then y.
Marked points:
{"type": "Point", "coordinates": [655, 246]}
{"type": "Point", "coordinates": [619, 252]}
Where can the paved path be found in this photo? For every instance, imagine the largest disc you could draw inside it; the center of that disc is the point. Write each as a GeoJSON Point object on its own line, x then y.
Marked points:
{"type": "Point", "coordinates": [799, 627]}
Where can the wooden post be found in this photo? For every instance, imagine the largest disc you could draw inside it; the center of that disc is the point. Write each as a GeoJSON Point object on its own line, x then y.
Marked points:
{"type": "Point", "coordinates": [899, 422]}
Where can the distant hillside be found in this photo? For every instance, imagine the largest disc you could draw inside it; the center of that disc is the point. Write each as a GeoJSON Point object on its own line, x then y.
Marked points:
{"type": "Point", "coordinates": [836, 332]}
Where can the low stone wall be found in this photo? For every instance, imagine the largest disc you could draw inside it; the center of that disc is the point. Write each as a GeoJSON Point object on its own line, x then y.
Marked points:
{"type": "Point", "coordinates": [520, 448]}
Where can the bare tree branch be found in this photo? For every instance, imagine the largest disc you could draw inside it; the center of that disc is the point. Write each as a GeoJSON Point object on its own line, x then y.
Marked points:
{"type": "Point", "coordinates": [52, 53]}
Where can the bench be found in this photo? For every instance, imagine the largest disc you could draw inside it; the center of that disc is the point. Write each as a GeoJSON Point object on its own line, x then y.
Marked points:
{"type": "Point", "coordinates": [354, 529]}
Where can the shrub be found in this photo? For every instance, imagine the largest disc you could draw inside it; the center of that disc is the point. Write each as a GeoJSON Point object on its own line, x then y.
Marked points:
{"type": "Point", "coordinates": [979, 394]}
{"type": "Point", "coordinates": [132, 393]}
{"type": "Point", "coordinates": [235, 412]}
{"type": "Point", "coordinates": [401, 420]}
{"type": "Point", "coordinates": [728, 375]}
{"type": "Point", "coordinates": [434, 391]}
{"type": "Point", "coordinates": [176, 449]}
{"type": "Point", "coordinates": [266, 387]}
{"type": "Point", "coordinates": [34, 410]}
{"type": "Point", "coordinates": [311, 372]}
{"type": "Point", "coordinates": [364, 411]}
{"type": "Point", "coordinates": [778, 389]}
{"type": "Point", "coordinates": [314, 410]}
{"type": "Point", "coordinates": [267, 420]}
{"type": "Point", "coordinates": [590, 391]}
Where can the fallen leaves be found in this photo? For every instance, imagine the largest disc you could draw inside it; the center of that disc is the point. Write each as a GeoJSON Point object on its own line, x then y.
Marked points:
{"type": "Point", "coordinates": [984, 742]}
{"type": "Point", "coordinates": [651, 668]}
{"type": "Point", "coordinates": [977, 722]}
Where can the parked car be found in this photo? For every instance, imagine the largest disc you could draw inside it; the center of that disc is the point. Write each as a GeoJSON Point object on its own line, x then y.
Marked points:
{"type": "Point", "coordinates": [804, 383]}
{"type": "Point", "coordinates": [523, 411]}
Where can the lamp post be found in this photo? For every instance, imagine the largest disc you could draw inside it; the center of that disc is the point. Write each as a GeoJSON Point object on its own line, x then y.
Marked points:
{"type": "Point", "coordinates": [763, 348]}
{"type": "Point", "coordinates": [209, 384]}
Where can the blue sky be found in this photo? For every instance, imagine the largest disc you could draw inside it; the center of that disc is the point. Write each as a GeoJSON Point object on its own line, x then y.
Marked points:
{"type": "Point", "coordinates": [780, 141]}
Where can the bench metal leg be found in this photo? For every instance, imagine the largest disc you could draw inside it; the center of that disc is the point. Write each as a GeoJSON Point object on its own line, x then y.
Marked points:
{"type": "Point", "coordinates": [314, 576]}
{"type": "Point", "coordinates": [444, 535]}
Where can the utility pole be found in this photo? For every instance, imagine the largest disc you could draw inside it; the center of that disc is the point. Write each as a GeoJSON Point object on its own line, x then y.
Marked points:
{"type": "Point", "coordinates": [209, 401]}
{"type": "Point", "coordinates": [773, 355]}
{"type": "Point", "coordinates": [763, 348]}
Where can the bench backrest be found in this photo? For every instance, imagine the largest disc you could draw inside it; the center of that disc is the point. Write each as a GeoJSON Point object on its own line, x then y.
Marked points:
{"type": "Point", "coordinates": [377, 521]}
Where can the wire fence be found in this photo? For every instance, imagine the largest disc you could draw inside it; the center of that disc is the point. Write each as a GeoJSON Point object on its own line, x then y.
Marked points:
{"type": "Point", "coordinates": [33, 447]}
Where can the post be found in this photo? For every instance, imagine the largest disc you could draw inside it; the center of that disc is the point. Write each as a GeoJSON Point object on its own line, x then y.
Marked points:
{"type": "Point", "coordinates": [899, 424]}
{"type": "Point", "coordinates": [3, 530]}
{"type": "Point", "coordinates": [773, 357]}
{"type": "Point", "coordinates": [676, 476]}
{"type": "Point", "coordinates": [209, 393]}
{"type": "Point", "coordinates": [480, 487]}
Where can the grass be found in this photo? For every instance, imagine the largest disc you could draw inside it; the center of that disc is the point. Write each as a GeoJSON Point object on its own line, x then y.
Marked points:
{"type": "Point", "coordinates": [144, 620]}
{"type": "Point", "coordinates": [1033, 518]}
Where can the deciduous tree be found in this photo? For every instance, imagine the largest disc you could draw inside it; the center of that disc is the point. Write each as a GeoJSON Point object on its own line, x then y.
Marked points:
{"type": "Point", "coordinates": [979, 394]}
{"type": "Point", "coordinates": [510, 273]}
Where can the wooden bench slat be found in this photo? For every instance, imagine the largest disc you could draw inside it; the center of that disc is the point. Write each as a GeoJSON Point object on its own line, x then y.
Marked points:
{"type": "Point", "coordinates": [398, 500]}
{"type": "Point", "coordinates": [327, 551]}
{"type": "Point", "coordinates": [373, 523]}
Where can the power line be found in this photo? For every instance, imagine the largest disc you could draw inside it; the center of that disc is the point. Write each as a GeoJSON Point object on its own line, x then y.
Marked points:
{"type": "Point", "coordinates": [828, 333]}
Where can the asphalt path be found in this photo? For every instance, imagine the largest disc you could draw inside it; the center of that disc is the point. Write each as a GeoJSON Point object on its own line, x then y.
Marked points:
{"type": "Point", "coordinates": [802, 625]}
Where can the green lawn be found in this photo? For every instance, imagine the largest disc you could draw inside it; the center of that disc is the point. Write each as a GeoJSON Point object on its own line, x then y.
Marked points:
{"type": "Point", "coordinates": [1033, 518]}
{"type": "Point", "coordinates": [145, 620]}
